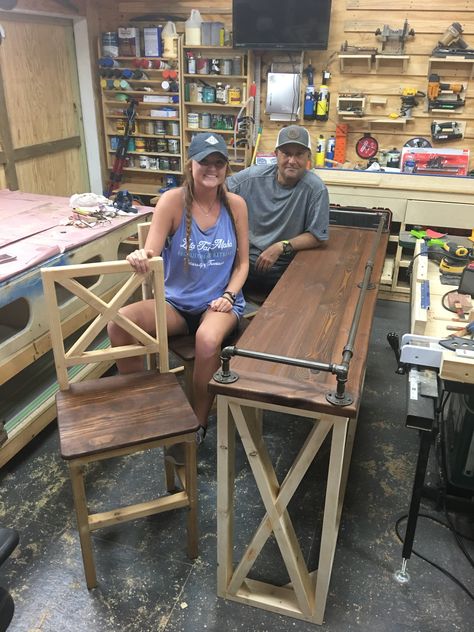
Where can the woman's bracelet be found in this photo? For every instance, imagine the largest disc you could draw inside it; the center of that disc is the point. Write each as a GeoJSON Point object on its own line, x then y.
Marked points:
{"type": "Point", "coordinates": [227, 298]}
{"type": "Point", "coordinates": [231, 295]}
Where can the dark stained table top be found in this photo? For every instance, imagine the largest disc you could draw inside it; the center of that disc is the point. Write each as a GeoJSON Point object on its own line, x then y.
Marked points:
{"type": "Point", "coordinates": [308, 315]}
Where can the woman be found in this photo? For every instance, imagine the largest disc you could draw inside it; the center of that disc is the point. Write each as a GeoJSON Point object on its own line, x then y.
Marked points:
{"type": "Point", "coordinates": [201, 230]}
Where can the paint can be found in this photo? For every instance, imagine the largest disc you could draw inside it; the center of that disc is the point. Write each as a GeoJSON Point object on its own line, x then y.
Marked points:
{"type": "Point", "coordinates": [235, 95]}
{"type": "Point", "coordinates": [159, 128]}
{"type": "Point", "coordinates": [202, 65]}
{"type": "Point", "coordinates": [205, 120]}
{"type": "Point", "coordinates": [174, 164]}
{"type": "Point", "coordinates": [144, 162]}
{"type": "Point", "coordinates": [161, 145]}
{"type": "Point", "coordinates": [164, 164]}
{"type": "Point", "coordinates": [173, 146]}
{"type": "Point", "coordinates": [208, 94]}
{"type": "Point", "coordinates": [140, 145]}
{"type": "Point", "coordinates": [172, 128]}
{"type": "Point", "coordinates": [226, 66]}
{"type": "Point", "coordinates": [193, 120]}
{"type": "Point", "coordinates": [237, 66]}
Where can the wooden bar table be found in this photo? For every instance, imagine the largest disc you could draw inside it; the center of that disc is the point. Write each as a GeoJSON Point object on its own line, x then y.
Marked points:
{"type": "Point", "coordinates": [308, 316]}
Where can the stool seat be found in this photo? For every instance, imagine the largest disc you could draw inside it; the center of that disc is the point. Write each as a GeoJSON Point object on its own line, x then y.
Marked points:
{"type": "Point", "coordinates": [111, 402]}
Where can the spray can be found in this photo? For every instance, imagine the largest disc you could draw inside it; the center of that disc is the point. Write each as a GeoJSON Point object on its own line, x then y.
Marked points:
{"type": "Point", "coordinates": [331, 145]}
{"type": "Point", "coordinates": [320, 152]}
{"type": "Point", "coordinates": [322, 100]}
{"type": "Point", "coordinates": [322, 104]}
{"type": "Point", "coordinates": [308, 114]}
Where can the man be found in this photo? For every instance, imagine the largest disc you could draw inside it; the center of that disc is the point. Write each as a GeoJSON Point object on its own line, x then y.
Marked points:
{"type": "Point", "coordinates": [288, 207]}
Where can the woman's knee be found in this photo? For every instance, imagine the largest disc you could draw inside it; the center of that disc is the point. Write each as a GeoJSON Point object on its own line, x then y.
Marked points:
{"type": "Point", "coordinates": [207, 341]}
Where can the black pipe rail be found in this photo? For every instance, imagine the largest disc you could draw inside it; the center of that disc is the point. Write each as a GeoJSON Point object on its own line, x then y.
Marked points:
{"type": "Point", "coordinates": [339, 397]}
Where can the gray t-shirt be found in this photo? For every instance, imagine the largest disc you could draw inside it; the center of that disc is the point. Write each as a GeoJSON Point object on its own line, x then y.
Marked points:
{"type": "Point", "coordinates": [277, 212]}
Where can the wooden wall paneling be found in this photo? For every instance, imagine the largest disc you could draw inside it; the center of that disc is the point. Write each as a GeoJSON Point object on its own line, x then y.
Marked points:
{"type": "Point", "coordinates": [408, 5]}
{"type": "Point", "coordinates": [42, 101]}
{"type": "Point", "coordinates": [354, 21]}
{"type": "Point", "coordinates": [8, 165]}
{"type": "Point", "coordinates": [58, 7]}
{"type": "Point", "coordinates": [41, 175]}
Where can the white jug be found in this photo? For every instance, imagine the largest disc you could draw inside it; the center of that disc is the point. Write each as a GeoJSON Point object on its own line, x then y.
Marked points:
{"type": "Point", "coordinates": [170, 41]}
{"type": "Point", "coordinates": [192, 29]}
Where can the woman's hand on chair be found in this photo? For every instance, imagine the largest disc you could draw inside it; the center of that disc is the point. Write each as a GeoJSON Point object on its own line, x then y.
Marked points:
{"type": "Point", "coordinates": [138, 259]}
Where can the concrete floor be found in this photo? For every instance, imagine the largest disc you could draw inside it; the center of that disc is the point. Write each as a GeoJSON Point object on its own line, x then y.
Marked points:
{"type": "Point", "coordinates": [146, 582]}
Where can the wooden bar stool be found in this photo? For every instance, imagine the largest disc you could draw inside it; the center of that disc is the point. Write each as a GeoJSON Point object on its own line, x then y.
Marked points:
{"type": "Point", "coordinates": [115, 416]}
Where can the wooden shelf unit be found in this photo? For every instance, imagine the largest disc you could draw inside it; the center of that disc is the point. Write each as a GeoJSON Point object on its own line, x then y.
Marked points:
{"type": "Point", "coordinates": [149, 168]}
{"type": "Point", "coordinates": [213, 116]}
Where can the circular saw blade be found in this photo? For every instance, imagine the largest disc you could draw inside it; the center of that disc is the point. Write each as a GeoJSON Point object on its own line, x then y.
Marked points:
{"type": "Point", "coordinates": [418, 141]}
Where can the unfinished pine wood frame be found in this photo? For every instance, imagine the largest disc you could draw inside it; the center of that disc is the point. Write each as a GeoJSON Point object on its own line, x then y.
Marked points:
{"type": "Point", "coordinates": [305, 596]}
{"type": "Point", "coordinates": [307, 315]}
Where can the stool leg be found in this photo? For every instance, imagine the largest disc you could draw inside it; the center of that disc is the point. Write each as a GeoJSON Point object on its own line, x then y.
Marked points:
{"type": "Point", "coordinates": [191, 489]}
{"type": "Point", "coordinates": [82, 515]}
{"type": "Point", "coordinates": [188, 379]}
{"type": "Point", "coordinates": [169, 477]}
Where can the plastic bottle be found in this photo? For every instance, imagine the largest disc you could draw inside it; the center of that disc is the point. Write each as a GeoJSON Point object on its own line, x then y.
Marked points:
{"type": "Point", "coordinates": [191, 63]}
{"type": "Point", "coordinates": [170, 40]}
{"type": "Point", "coordinates": [192, 29]}
{"type": "Point", "coordinates": [320, 151]}
{"type": "Point", "coordinates": [331, 145]}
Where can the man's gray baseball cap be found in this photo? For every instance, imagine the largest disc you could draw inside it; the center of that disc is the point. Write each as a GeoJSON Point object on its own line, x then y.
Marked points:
{"type": "Point", "coordinates": [204, 144]}
{"type": "Point", "coordinates": [293, 134]}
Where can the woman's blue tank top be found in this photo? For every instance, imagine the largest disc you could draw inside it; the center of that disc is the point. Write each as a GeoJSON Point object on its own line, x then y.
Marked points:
{"type": "Point", "coordinates": [191, 287]}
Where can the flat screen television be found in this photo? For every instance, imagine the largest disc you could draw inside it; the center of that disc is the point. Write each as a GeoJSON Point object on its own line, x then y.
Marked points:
{"type": "Point", "coordinates": [281, 24]}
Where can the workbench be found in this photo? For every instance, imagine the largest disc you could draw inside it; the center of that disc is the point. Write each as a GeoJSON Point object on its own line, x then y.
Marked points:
{"type": "Point", "coordinates": [444, 202]}
{"type": "Point", "coordinates": [308, 315]}
{"type": "Point", "coordinates": [429, 386]}
{"type": "Point", "coordinates": [35, 234]}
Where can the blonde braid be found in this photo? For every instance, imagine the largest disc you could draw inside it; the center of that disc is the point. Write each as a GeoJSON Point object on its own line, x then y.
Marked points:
{"type": "Point", "coordinates": [188, 186]}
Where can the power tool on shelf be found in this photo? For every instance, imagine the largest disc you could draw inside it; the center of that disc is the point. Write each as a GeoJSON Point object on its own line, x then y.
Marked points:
{"type": "Point", "coordinates": [393, 40]}
{"type": "Point", "coordinates": [453, 43]}
{"type": "Point", "coordinates": [409, 100]}
{"type": "Point", "coordinates": [456, 259]}
{"type": "Point", "coordinates": [449, 130]}
{"type": "Point", "coordinates": [435, 90]}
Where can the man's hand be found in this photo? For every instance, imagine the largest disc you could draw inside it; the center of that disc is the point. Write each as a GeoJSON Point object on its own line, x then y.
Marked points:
{"type": "Point", "coordinates": [268, 257]}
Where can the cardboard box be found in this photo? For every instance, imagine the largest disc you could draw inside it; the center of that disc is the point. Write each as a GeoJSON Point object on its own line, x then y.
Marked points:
{"type": "Point", "coordinates": [152, 43]}
{"type": "Point", "coordinates": [156, 98]}
{"type": "Point", "coordinates": [129, 42]}
{"type": "Point", "coordinates": [206, 33]}
{"type": "Point", "coordinates": [435, 161]}
{"type": "Point", "coordinates": [217, 34]}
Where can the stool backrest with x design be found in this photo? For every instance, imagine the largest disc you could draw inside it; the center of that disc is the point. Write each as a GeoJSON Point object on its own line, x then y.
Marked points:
{"type": "Point", "coordinates": [118, 415]}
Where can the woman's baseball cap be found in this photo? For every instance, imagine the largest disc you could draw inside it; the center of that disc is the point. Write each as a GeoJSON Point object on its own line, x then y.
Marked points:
{"type": "Point", "coordinates": [204, 144]}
